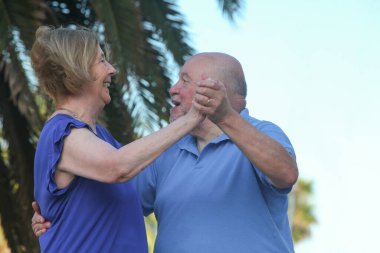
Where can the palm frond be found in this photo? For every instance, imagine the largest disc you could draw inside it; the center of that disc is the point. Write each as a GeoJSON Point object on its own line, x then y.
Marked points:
{"type": "Point", "coordinates": [153, 81]}
{"type": "Point", "coordinates": [138, 59]}
{"type": "Point", "coordinates": [4, 27]}
{"type": "Point", "coordinates": [69, 12]}
{"type": "Point", "coordinates": [20, 93]}
{"type": "Point", "coordinates": [231, 8]}
{"type": "Point", "coordinates": [24, 16]}
{"type": "Point", "coordinates": [169, 24]}
{"type": "Point", "coordinates": [303, 216]}
{"type": "Point", "coordinates": [17, 133]}
{"type": "Point", "coordinates": [117, 116]}
{"type": "Point", "coordinates": [123, 28]}
{"type": "Point", "coordinates": [149, 90]}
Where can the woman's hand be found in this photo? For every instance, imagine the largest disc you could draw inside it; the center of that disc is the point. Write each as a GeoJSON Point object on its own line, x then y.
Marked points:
{"type": "Point", "coordinates": [211, 99]}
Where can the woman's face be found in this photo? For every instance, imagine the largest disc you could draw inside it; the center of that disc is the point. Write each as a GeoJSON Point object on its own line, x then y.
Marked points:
{"type": "Point", "coordinates": [102, 71]}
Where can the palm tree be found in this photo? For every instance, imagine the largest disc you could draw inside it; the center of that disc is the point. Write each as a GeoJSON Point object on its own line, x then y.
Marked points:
{"type": "Point", "coordinates": [145, 36]}
{"type": "Point", "coordinates": [301, 213]}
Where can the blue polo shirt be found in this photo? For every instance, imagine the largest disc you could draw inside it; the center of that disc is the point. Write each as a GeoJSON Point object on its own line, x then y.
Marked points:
{"type": "Point", "coordinates": [87, 215]}
{"type": "Point", "coordinates": [216, 200]}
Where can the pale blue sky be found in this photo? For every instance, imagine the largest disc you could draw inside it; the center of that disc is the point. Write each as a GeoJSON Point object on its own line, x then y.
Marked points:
{"type": "Point", "coordinates": [313, 67]}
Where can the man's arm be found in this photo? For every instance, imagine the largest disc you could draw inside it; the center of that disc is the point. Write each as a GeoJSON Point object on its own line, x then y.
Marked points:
{"type": "Point", "coordinates": [263, 151]}
{"type": "Point", "coordinates": [39, 224]}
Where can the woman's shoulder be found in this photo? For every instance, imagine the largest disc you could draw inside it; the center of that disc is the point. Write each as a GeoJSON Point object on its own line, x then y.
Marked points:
{"type": "Point", "coordinates": [58, 124]}
{"type": "Point", "coordinates": [61, 118]}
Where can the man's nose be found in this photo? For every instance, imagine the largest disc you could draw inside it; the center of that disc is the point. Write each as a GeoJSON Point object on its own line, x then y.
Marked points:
{"type": "Point", "coordinates": [174, 89]}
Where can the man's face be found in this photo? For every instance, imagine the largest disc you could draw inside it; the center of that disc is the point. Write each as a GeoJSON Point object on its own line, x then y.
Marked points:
{"type": "Point", "coordinates": [183, 91]}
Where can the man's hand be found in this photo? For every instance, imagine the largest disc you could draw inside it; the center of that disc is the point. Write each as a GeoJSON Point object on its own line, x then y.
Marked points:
{"type": "Point", "coordinates": [211, 99]}
{"type": "Point", "coordinates": [39, 224]}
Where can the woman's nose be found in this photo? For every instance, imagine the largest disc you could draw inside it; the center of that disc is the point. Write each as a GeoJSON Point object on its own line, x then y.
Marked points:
{"type": "Point", "coordinates": [111, 69]}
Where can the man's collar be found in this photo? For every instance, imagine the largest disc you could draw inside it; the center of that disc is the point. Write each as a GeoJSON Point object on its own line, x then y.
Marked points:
{"type": "Point", "coordinates": [189, 142]}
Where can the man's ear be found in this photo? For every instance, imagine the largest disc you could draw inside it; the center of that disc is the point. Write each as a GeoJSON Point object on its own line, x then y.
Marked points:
{"type": "Point", "coordinates": [237, 102]}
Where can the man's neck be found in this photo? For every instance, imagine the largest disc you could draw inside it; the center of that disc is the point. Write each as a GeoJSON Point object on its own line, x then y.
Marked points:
{"type": "Point", "coordinates": [205, 132]}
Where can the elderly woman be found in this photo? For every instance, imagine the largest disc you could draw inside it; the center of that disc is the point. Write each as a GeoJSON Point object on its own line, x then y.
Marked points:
{"type": "Point", "coordinates": [82, 174]}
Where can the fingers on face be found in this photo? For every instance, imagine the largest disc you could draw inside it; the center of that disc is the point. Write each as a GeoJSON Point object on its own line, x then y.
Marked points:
{"type": "Point", "coordinates": [211, 89]}
{"type": "Point", "coordinates": [210, 83]}
{"type": "Point", "coordinates": [205, 96]}
{"type": "Point", "coordinates": [205, 106]}
{"type": "Point", "coordinates": [202, 99]}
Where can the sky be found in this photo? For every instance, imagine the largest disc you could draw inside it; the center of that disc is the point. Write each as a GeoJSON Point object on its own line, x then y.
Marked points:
{"type": "Point", "coordinates": [313, 68]}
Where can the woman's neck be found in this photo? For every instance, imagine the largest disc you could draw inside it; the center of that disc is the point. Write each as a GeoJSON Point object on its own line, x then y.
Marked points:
{"type": "Point", "coordinates": [79, 110]}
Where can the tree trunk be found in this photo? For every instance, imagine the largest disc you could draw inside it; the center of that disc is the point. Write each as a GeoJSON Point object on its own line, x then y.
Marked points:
{"type": "Point", "coordinates": [16, 177]}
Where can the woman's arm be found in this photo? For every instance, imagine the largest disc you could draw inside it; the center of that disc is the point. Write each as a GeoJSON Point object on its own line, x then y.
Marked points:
{"type": "Point", "coordinates": [88, 156]}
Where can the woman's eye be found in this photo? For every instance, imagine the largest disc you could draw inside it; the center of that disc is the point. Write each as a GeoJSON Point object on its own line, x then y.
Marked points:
{"type": "Point", "coordinates": [102, 59]}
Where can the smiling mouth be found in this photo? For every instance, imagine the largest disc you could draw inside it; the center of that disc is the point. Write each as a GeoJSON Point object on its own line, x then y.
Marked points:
{"type": "Point", "coordinates": [175, 103]}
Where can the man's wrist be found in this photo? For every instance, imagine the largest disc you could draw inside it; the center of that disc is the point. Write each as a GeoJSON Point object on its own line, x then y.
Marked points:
{"type": "Point", "coordinates": [229, 119]}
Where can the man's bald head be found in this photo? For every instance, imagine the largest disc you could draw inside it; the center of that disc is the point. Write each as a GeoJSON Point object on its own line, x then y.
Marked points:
{"type": "Point", "coordinates": [225, 68]}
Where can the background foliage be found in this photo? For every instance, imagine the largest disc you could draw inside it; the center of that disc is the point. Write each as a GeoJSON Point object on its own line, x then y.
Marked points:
{"type": "Point", "coordinates": [147, 38]}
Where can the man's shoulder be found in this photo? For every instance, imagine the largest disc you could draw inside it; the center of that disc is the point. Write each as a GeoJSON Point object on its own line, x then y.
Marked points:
{"type": "Point", "coordinates": [176, 147]}
{"type": "Point", "coordinates": [171, 155]}
{"type": "Point", "coordinates": [261, 125]}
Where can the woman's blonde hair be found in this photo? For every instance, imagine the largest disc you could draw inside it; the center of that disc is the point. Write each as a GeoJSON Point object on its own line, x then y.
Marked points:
{"type": "Point", "coordinates": [62, 59]}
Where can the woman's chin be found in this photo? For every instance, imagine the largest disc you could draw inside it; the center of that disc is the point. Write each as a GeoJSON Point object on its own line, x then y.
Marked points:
{"type": "Point", "coordinates": [107, 100]}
